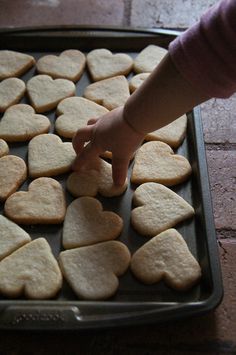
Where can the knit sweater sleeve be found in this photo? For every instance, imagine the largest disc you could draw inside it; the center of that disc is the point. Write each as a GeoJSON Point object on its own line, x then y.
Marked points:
{"type": "Point", "coordinates": [205, 54]}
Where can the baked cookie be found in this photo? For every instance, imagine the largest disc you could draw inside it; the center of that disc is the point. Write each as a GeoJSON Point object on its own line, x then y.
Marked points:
{"type": "Point", "coordinates": [20, 123]}
{"type": "Point", "coordinates": [43, 203]}
{"type": "Point", "coordinates": [69, 65]}
{"type": "Point", "coordinates": [92, 271]}
{"type": "Point", "coordinates": [45, 93]}
{"type": "Point", "coordinates": [103, 64]}
{"type": "Point", "coordinates": [111, 93]}
{"type": "Point", "coordinates": [14, 63]}
{"type": "Point", "coordinates": [156, 162]}
{"type": "Point", "coordinates": [13, 173]}
{"type": "Point", "coordinates": [11, 91]}
{"type": "Point", "coordinates": [158, 208]}
{"type": "Point", "coordinates": [4, 149]}
{"type": "Point", "coordinates": [173, 134]}
{"type": "Point", "coordinates": [86, 223]}
{"type": "Point", "coordinates": [95, 178]}
{"type": "Point", "coordinates": [49, 156]}
{"type": "Point", "coordinates": [166, 257]}
{"type": "Point", "coordinates": [137, 80]}
{"type": "Point", "coordinates": [149, 58]}
{"type": "Point", "coordinates": [74, 113]}
{"type": "Point", "coordinates": [31, 271]}
{"type": "Point", "coordinates": [12, 237]}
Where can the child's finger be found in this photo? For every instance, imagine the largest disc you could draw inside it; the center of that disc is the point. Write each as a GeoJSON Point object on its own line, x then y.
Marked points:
{"type": "Point", "coordinates": [119, 170]}
{"type": "Point", "coordinates": [82, 136]}
{"type": "Point", "coordinates": [88, 153]}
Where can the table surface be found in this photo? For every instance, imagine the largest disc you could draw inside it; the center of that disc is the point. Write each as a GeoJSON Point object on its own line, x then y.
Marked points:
{"type": "Point", "coordinates": [214, 333]}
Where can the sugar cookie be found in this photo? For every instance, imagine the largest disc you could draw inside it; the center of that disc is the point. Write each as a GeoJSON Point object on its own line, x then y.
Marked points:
{"type": "Point", "coordinates": [93, 271]}
{"type": "Point", "coordinates": [32, 271]}
{"type": "Point", "coordinates": [43, 203]}
{"type": "Point", "coordinates": [103, 64]}
{"type": "Point", "coordinates": [149, 58]}
{"type": "Point", "coordinates": [49, 156]}
{"type": "Point", "coordinates": [45, 93]}
{"type": "Point", "coordinates": [167, 257]}
{"type": "Point", "coordinates": [13, 173]}
{"type": "Point", "coordinates": [11, 91]}
{"type": "Point", "coordinates": [14, 63]}
{"type": "Point", "coordinates": [156, 162]}
{"type": "Point", "coordinates": [74, 113]}
{"type": "Point", "coordinates": [111, 93]}
{"type": "Point", "coordinates": [69, 65]}
{"type": "Point", "coordinates": [12, 237]}
{"type": "Point", "coordinates": [20, 123]}
{"type": "Point", "coordinates": [158, 208]}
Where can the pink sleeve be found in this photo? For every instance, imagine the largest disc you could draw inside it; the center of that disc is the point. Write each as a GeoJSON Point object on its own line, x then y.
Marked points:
{"type": "Point", "coordinates": [205, 54]}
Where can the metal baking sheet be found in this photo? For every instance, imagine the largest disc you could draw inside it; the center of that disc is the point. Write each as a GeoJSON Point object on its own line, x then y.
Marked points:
{"type": "Point", "coordinates": [134, 302]}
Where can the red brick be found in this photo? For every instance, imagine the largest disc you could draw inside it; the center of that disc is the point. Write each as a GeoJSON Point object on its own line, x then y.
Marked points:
{"type": "Point", "coordinates": [219, 120]}
{"type": "Point", "coordinates": [222, 173]}
{"type": "Point", "coordinates": [61, 12]}
{"type": "Point", "coordinates": [167, 13]}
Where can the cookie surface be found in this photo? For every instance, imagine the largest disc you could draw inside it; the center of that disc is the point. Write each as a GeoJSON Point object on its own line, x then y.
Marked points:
{"type": "Point", "coordinates": [32, 271]}
{"type": "Point", "coordinates": [149, 58]}
{"type": "Point", "coordinates": [111, 93]}
{"type": "Point", "coordinates": [12, 237]}
{"type": "Point", "coordinates": [49, 156]}
{"type": "Point", "coordinates": [11, 91]}
{"type": "Point", "coordinates": [158, 208]}
{"type": "Point", "coordinates": [45, 93]}
{"type": "Point", "coordinates": [74, 113]}
{"type": "Point", "coordinates": [14, 63]}
{"type": "Point", "coordinates": [173, 134]}
{"type": "Point", "coordinates": [69, 65]}
{"type": "Point", "coordinates": [43, 203]}
{"type": "Point", "coordinates": [4, 149]}
{"type": "Point", "coordinates": [93, 271]}
{"type": "Point", "coordinates": [166, 256]}
{"type": "Point", "coordinates": [103, 64]}
{"type": "Point", "coordinates": [13, 173]}
{"type": "Point", "coordinates": [156, 162]}
{"type": "Point", "coordinates": [87, 223]}
{"type": "Point", "coordinates": [20, 123]}
{"type": "Point", "coordinates": [95, 178]}
{"type": "Point", "coordinates": [137, 80]}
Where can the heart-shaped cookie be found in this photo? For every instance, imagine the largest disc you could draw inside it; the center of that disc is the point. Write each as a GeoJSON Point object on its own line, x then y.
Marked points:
{"type": "Point", "coordinates": [11, 91]}
{"type": "Point", "coordinates": [149, 58]}
{"type": "Point", "coordinates": [14, 63]}
{"type": "Point", "coordinates": [93, 271]}
{"type": "Point", "coordinates": [49, 156]}
{"type": "Point", "coordinates": [156, 162]}
{"type": "Point", "coordinates": [166, 257]}
{"type": "Point", "coordinates": [86, 223]}
{"type": "Point", "coordinates": [12, 237]}
{"type": "Point", "coordinates": [20, 123]}
{"type": "Point", "coordinates": [43, 203]}
{"type": "Point", "coordinates": [103, 64]}
{"type": "Point", "coordinates": [95, 178]}
{"type": "Point", "coordinates": [137, 80]}
{"type": "Point", "coordinates": [172, 134]}
{"type": "Point", "coordinates": [74, 113]}
{"type": "Point", "coordinates": [45, 93]}
{"type": "Point", "coordinates": [13, 172]}
{"type": "Point", "coordinates": [4, 149]}
{"type": "Point", "coordinates": [32, 271]}
{"type": "Point", "coordinates": [69, 65]}
{"type": "Point", "coordinates": [159, 208]}
{"type": "Point", "coordinates": [111, 93]}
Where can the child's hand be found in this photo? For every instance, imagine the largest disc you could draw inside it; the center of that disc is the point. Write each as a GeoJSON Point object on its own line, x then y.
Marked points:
{"type": "Point", "coordinates": [110, 132]}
